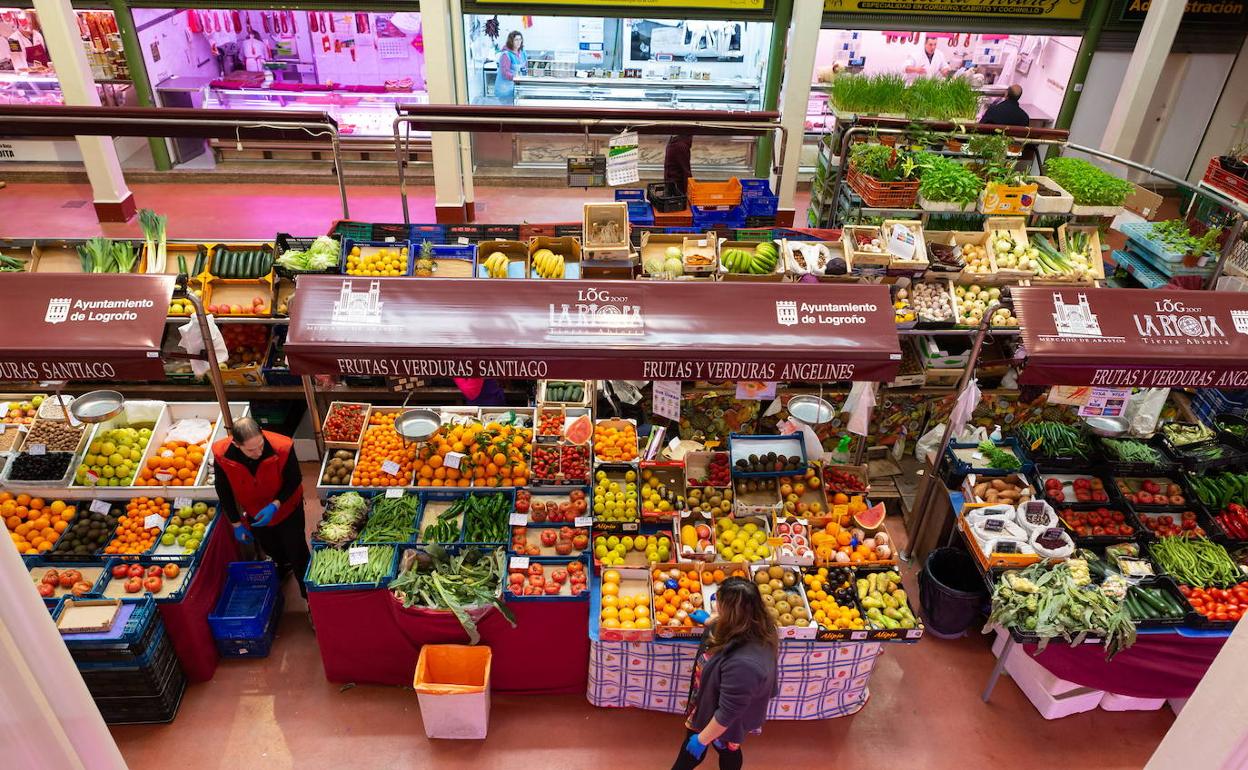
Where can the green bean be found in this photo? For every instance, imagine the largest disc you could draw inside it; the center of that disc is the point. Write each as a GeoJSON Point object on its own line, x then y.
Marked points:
{"type": "Point", "coordinates": [331, 566]}
{"type": "Point", "coordinates": [1196, 561]}
{"type": "Point", "coordinates": [393, 520]}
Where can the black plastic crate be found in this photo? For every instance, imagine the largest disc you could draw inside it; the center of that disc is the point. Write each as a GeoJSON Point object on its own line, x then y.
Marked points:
{"type": "Point", "coordinates": [146, 709]}
{"type": "Point", "coordinates": [1172, 589]}
{"type": "Point", "coordinates": [146, 681]}
{"type": "Point", "coordinates": [285, 242]}
{"type": "Point", "coordinates": [666, 197]}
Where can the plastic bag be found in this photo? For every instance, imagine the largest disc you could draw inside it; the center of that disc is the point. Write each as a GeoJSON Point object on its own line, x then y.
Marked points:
{"type": "Point", "coordinates": [1144, 410]}
{"type": "Point", "coordinates": [193, 342]}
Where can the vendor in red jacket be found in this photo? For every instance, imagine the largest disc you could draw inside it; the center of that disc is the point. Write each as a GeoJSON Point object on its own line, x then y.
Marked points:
{"type": "Point", "coordinates": [260, 489]}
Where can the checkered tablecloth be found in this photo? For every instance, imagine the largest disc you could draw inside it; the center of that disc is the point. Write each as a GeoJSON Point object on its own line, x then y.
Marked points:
{"type": "Point", "coordinates": [817, 680]}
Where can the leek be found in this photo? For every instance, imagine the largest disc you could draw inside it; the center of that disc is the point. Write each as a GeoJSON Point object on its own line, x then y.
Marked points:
{"type": "Point", "coordinates": [153, 225]}
{"type": "Point", "coordinates": [124, 256]}
{"type": "Point", "coordinates": [96, 255]}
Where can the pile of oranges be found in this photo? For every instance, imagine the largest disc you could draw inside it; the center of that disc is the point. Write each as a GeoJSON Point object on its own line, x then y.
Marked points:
{"type": "Point", "coordinates": [33, 524]}
{"type": "Point", "coordinates": [382, 444]}
{"type": "Point", "coordinates": [131, 536]}
{"type": "Point", "coordinates": [174, 464]}
{"type": "Point", "coordinates": [835, 544]}
{"type": "Point", "coordinates": [621, 610]}
{"type": "Point", "coordinates": [615, 441]}
{"type": "Point", "coordinates": [491, 455]}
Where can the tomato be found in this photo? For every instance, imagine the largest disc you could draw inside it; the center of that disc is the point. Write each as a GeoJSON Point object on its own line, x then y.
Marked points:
{"type": "Point", "coordinates": [1241, 594]}
{"type": "Point", "coordinates": [1221, 616]}
{"type": "Point", "coordinates": [1185, 590]}
{"type": "Point", "coordinates": [1235, 614]}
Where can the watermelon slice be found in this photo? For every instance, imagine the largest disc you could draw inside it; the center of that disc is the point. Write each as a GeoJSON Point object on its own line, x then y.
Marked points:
{"type": "Point", "coordinates": [872, 518]}
{"type": "Point", "coordinates": [579, 431]}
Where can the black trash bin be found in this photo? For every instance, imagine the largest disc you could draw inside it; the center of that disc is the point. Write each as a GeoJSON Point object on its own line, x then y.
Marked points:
{"type": "Point", "coordinates": [951, 592]}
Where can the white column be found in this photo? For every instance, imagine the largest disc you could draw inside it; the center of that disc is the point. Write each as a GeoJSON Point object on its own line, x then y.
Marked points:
{"type": "Point", "coordinates": [1144, 71]}
{"type": "Point", "coordinates": [50, 719]}
{"type": "Point", "coordinates": [459, 51]}
{"type": "Point", "coordinates": [799, 68]}
{"type": "Point", "coordinates": [1212, 729]}
{"type": "Point", "coordinates": [113, 200]}
{"type": "Point", "coordinates": [448, 188]}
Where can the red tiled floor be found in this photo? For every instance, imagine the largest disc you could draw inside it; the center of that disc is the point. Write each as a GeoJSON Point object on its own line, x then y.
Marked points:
{"type": "Point", "coordinates": [226, 210]}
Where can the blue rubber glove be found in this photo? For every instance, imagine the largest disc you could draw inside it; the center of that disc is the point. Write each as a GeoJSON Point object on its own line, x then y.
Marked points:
{"type": "Point", "coordinates": [695, 747]}
{"type": "Point", "coordinates": [241, 533]}
{"type": "Point", "coordinates": [265, 515]}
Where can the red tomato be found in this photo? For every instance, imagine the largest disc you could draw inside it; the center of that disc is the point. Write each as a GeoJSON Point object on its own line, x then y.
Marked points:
{"type": "Point", "coordinates": [1235, 614]}
{"type": "Point", "coordinates": [1221, 616]}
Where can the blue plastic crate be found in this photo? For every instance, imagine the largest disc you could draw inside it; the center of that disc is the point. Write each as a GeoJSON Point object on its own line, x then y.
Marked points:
{"type": "Point", "coordinates": [254, 647]}
{"type": "Point", "coordinates": [640, 214]}
{"type": "Point", "coordinates": [242, 610]}
{"type": "Point", "coordinates": [141, 661]}
{"type": "Point", "coordinates": [432, 233]}
{"type": "Point", "coordinates": [185, 565]}
{"type": "Point", "coordinates": [550, 563]}
{"type": "Point", "coordinates": [757, 198]}
{"type": "Point", "coordinates": [131, 624]}
{"type": "Point", "coordinates": [312, 585]}
{"type": "Point", "coordinates": [350, 243]}
{"type": "Point", "coordinates": [630, 194]}
{"type": "Point", "coordinates": [731, 217]}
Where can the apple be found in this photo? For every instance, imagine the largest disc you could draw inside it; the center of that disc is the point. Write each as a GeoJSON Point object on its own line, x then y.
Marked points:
{"type": "Point", "coordinates": [134, 585]}
{"type": "Point", "coordinates": [153, 584]}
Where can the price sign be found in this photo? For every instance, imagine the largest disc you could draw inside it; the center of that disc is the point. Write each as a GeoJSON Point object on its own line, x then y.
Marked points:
{"type": "Point", "coordinates": [1036, 444]}
{"type": "Point", "coordinates": [519, 520]}
{"type": "Point", "coordinates": [181, 502]}
{"type": "Point", "coordinates": [99, 506]}
{"type": "Point", "coordinates": [629, 526]}
{"type": "Point", "coordinates": [37, 449]}
{"type": "Point", "coordinates": [519, 562]}
{"type": "Point", "coordinates": [394, 492]}
{"type": "Point", "coordinates": [665, 396]}
{"type": "Point", "coordinates": [994, 525]}
{"type": "Point", "coordinates": [901, 242]}
{"type": "Point", "coordinates": [357, 555]}
{"type": "Point", "coordinates": [153, 521]}
{"type": "Point", "coordinates": [453, 459]}
{"type": "Point", "coordinates": [390, 468]}
{"type": "Point", "coordinates": [164, 477]}
{"type": "Point", "coordinates": [1052, 533]}
{"type": "Point", "coordinates": [92, 477]}
{"type": "Point", "coordinates": [584, 521]}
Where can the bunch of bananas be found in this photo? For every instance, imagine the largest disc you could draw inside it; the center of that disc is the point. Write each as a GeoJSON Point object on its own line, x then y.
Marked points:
{"type": "Point", "coordinates": [496, 265]}
{"type": "Point", "coordinates": [547, 264]}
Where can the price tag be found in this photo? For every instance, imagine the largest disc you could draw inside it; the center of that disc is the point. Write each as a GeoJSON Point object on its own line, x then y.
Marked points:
{"type": "Point", "coordinates": [92, 477]}
{"type": "Point", "coordinates": [584, 521]}
{"type": "Point", "coordinates": [519, 520]}
{"type": "Point", "coordinates": [153, 521]}
{"type": "Point", "coordinates": [99, 506]}
{"type": "Point", "coordinates": [1052, 533]}
{"type": "Point", "coordinates": [463, 241]}
{"type": "Point", "coordinates": [164, 477]}
{"type": "Point", "coordinates": [914, 633]}
{"type": "Point", "coordinates": [1036, 444]}
{"type": "Point", "coordinates": [181, 502]}
{"type": "Point", "coordinates": [857, 636]}
{"type": "Point", "coordinates": [394, 492]}
{"type": "Point", "coordinates": [775, 542]}
{"type": "Point", "coordinates": [453, 459]}
{"type": "Point", "coordinates": [357, 555]}
{"type": "Point", "coordinates": [519, 562]}
{"type": "Point", "coordinates": [37, 449]}
{"type": "Point", "coordinates": [629, 526]}
{"type": "Point", "coordinates": [994, 525]}
{"type": "Point", "coordinates": [390, 239]}
{"type": "Point", "coordinates": [390, 468]}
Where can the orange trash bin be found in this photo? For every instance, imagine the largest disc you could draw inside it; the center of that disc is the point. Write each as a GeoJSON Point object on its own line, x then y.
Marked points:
{"type": "Point", "coordinates": [452, 683]}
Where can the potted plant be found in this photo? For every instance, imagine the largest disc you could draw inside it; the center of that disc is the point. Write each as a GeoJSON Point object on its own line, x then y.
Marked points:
{"type": "Point", "coordinates": [947, 185]}
{"type": "Point", "coordinates": [883, 176]}
{"type": "Point", "coordinates": [1095, 192]}
{"type": "Point", "coordinates": [1006, 189]}
{"type": "Point", "coordinates": [1233, 160]}
{"type": "Point", "coordinates": [953, 142]}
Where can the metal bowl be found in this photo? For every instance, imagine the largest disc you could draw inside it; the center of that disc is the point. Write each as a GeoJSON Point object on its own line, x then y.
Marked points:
{"type": "Point", "coordinates": [810, 410]}
{"type": "Point", "coordinates": [417, 424]}
{"type": "Point", "coordinates": [97, 406]}
{"type": "Point", "coordinates": [1109, 427]}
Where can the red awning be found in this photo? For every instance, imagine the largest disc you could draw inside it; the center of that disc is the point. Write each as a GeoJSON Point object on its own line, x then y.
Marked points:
{"type": "Point", "coordinates": [636, 330]}
{"type": "Point", "coordinates": [58, 326]}
{"type": "Point", "coordinates": [1129, 338]}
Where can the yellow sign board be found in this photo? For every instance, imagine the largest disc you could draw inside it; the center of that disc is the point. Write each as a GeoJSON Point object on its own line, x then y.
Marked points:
{"type": "Point", "coordinates": [1000, 9]}
{"type": "Point", "coordinates": [714, 5]}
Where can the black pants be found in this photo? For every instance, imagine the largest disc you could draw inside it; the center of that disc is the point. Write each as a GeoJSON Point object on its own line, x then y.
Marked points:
{"type": "Point", "coordinates": [287, 545]}
{"type": "Point", "coordinates": [728, 760]}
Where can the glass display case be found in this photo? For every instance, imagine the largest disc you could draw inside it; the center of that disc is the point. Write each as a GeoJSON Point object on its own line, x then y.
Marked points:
{"type": "Point", "coordinates": [24, 88]}
{"type": "Point", "coordinates": [640, 93]}
{"type": "Point", "coordinates": [359, 114]}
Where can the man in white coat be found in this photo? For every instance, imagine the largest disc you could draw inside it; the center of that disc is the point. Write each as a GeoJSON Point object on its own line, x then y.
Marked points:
{"type": "Point", "coordinates": [929, 62]}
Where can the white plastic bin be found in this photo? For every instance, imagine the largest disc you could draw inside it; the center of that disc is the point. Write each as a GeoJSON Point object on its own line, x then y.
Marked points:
{"type": "Point", "coordinates": [452, 683]}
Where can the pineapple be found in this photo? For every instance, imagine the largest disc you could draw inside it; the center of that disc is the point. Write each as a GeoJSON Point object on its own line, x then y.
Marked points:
{"type": "Point", "coordinates": [424, 264]}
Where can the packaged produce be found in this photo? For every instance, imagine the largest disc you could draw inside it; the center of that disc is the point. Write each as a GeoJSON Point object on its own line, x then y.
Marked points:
{"type": "Point", "coordinates": [34, 524]}
{"type": "Point", "coordinates": [561, 464]}
{"type": "Point", "coordinates": [795, 545]}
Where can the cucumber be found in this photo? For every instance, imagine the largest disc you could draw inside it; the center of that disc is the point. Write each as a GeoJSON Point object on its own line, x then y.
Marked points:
{"type": "Point", "coordinates": [1151, 602]}
{"type": "Point", "coordinates": [226, 268]}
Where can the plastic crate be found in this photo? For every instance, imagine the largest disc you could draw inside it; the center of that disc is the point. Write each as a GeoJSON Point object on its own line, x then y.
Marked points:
{"type": "Point", "coordinates": [715, 217]}
{"type": "Point", "coordinates": [242, 611]}
{"type": "Point", "coordinates": [757, 198]}
{"type": "Point", "coordinates": [1221, 179]}
{"type": "Point", "coordinates": [312, 585]}
{"type": "Point", "coordinates": [356, 231]}
{"type": "Point", "coordinates": [384, 231]}
{"type": "Point", "coordinates": [258, 647]}
{"type": "Point", "coordinates": [640, 214]}
{"type": "Point", "coordinates": [432, 233]}
{"type": "Point", "coordinates": [666, 197]}
{"type": "Point", "coordinates": [630, 194]}
{"type": "Point", "coordinates": [349, 243]}
{"type": "Point", "coordinates": [881, 195]}
{"type": "Point", "coordinates": [129, 636]}
{"type": "Point", "coordinates": [715, 193]}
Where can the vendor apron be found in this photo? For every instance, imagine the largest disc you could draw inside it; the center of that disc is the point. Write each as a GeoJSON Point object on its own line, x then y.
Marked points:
{"type": "Point", "coordinates": [37, 54]}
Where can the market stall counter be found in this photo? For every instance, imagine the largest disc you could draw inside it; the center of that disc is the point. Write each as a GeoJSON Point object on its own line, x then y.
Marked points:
{"type": "Point", "coordinates": [369, 637]}
{"type": "Point", "coordinates": [1162, 664]}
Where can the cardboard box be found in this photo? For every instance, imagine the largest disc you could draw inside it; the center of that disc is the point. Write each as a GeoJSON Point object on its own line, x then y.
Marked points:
{"type": "Point", "coordinates": [792, 631]}
{"type": "Point", "coordinates": [517, 254]}
{"type": "Point", "coordinates": [633, 582]}
{"type": "Point", "coordinates": [704, 249]}
{"type": "Point", "coordinates": [1146, 203]}
{"type": "Point", "coordinates": [938, 354]}
{"type": "Point", "coordinates": [605, 227]}
{"type": "Point", "coordinates": [567, 247]}
{"type": "Point", "coordinates": [776, 275]}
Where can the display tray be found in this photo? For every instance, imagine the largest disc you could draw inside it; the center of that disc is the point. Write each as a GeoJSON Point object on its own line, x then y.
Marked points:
{"type": "Point", "coordinates": [633, 583]}
{"type": "Point", "coordinates": [1076, 490]}
{"type": "Point", "coordinates": [135, 414]}
{"type": "Point", "coordinates": [553, 506]}
{"type": "Point", "coordinates": [631, 515]}
{"type": "Point", "coordinates": [600, 456]}
{"type": "Point", "coordinates": [91, 573]}
{"type": "Point", "coordinates": [548, 541]}
{"type": "Point", "coordinates": [82, 616]}
{"type": "Point", "coordinates": [741, 447]}
{"type": "Point", "coordinates": [242, 297]}
{"type": "Point", "coordinates": [437, 503]}
{"type": "Point", "coordinates": [1136, 492]}
{"type": "Point", "coordinates": [346, 444]}
{"type": "Point", "coordinates": [573, 587]}
{"type": "Point", "coordinates": [171, 588]}
{"type": "Point", "coordinates": [517, 258]}
{"type": "Point", "coordinates": [670, 476]}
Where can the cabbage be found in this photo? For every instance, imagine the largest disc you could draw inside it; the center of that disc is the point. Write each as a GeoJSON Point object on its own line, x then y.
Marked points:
{"type": "Point", "coordinates": [674, 266]}
{"type": "Point", "coordinates": [673, 252]}
{"type": "Point", "coordinates": [324, 253]}
{"type": "Point", "coordinates": [653, 265]}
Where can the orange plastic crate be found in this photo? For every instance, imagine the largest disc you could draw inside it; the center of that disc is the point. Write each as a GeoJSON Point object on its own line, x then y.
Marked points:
{"type": "Point", "coordinates": [715, 193]}
{"type": "Point", "coordinates": [882, 195]}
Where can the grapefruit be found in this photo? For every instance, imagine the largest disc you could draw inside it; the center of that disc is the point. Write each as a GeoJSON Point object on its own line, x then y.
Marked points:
{"type": "Point", "coordinates": [580, 430]}
{"type": "Point", "coordinates": [871, 518]}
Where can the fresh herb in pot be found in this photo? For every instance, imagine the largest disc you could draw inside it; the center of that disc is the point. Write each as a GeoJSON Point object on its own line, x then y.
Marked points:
{"type": "Point", "coordinates": [947, 181]}
{"type": "Point", "coordinates": [1087, 184]}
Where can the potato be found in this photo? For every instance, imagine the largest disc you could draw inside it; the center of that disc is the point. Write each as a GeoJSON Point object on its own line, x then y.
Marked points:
{"type": "Point", "coordinates": [980, 489]}
{"type": "Point", "coordinates": [991, 497]}
{"type": "Point", "coordinates": [998, 484]}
